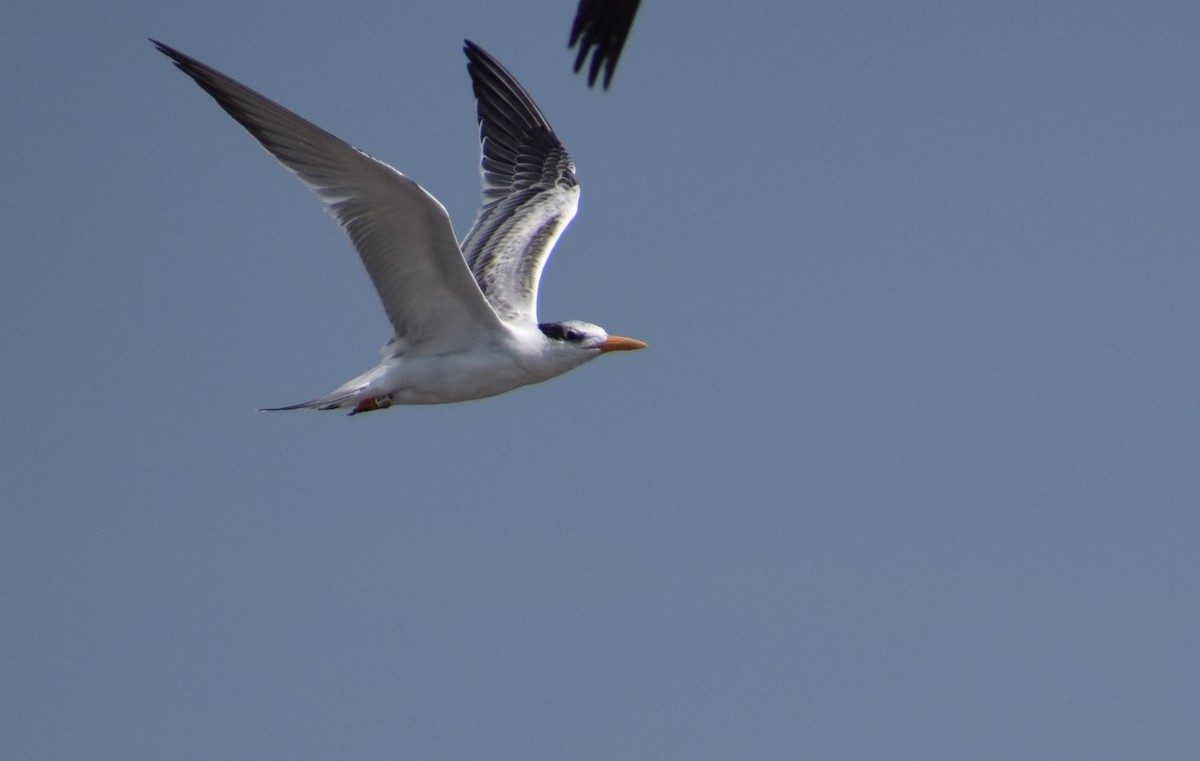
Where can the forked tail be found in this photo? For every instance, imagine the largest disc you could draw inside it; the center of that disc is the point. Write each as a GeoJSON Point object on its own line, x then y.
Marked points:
{"type": "Point", "coordinates": [336, 401]}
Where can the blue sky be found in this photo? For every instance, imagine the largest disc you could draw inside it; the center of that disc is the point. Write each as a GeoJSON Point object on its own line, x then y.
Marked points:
{"type": "Point", "coordinates": [909, 470]}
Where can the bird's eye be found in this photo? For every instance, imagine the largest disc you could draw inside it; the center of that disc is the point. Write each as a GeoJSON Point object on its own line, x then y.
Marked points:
{"type": "Point", "coordinates": [574, 335]}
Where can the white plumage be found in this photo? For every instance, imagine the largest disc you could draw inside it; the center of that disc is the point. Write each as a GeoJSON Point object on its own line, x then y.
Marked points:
{"type": "Point", "coordinates": [464, 320]}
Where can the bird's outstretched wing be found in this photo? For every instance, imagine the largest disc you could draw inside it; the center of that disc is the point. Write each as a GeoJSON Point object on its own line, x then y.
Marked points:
{"type": "Point", "coordinates": [402, 233]}
{"type": "Point", "coordinates": [529, 190]}
{"type": "Point", "coordinates": [600, 28]}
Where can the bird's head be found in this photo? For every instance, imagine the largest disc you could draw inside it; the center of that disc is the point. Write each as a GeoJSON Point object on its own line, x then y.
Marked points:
{"type": "Point", "coordinates": [576, 335]}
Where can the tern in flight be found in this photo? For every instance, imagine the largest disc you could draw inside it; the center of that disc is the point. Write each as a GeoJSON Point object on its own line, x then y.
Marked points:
{"type": "Point", "coordinates": [464, 319]}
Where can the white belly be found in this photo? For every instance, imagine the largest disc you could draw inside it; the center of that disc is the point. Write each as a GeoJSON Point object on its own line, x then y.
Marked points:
{"type": "Point", "coordinates": [456, 377]}
{"type": "Point", "coordinates": [452, 378]}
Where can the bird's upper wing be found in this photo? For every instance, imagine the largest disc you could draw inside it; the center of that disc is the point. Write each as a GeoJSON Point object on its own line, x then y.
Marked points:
{"type": "Point", "coordinates": [529, 190]}
{"type": "Point", "coordinates": [401, 232]}
{"type": "Point", "coordinates": [602, 25]}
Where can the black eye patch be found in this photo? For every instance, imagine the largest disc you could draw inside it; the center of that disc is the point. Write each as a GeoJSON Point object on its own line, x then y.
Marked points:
{"type": "Point", "coordinates": [556, 331]}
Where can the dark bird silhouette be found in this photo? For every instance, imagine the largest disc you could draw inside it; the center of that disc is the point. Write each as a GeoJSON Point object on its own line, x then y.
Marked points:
{"type": "Point", "coordinates": [600, 28]}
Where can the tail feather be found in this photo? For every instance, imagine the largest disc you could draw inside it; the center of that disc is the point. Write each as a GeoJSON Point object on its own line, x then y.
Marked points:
{"type": "Point", "coordinates": [356, 394]}
{"type": "Point", "coordinates": [333, 401]}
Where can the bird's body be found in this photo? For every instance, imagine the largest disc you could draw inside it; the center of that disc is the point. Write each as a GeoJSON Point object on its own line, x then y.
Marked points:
{"type": "Point", "coordinates": [486, 369]}
{"type": "Point", "coordinates": [464, 319]}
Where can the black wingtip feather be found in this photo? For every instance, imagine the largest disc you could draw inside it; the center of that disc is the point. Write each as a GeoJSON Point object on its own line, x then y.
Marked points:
{"type": "Point", "coordinates": [601, 28]}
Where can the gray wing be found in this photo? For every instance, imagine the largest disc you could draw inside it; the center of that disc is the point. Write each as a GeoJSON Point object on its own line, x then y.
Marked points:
{"type": "Point", "coordinates": [529, 190]}
{"type": "Point", "coordinates": [403, 234]}
{"type": "Point", "coordinates": [600, 28]}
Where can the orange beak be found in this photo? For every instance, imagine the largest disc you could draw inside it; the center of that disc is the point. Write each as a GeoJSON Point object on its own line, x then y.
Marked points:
{"type": "Point", "coordinates": [620, 343]}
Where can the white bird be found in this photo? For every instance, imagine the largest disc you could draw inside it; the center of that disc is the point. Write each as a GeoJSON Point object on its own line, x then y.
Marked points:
{"type": "Point", "coordinates": [464, 320]}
